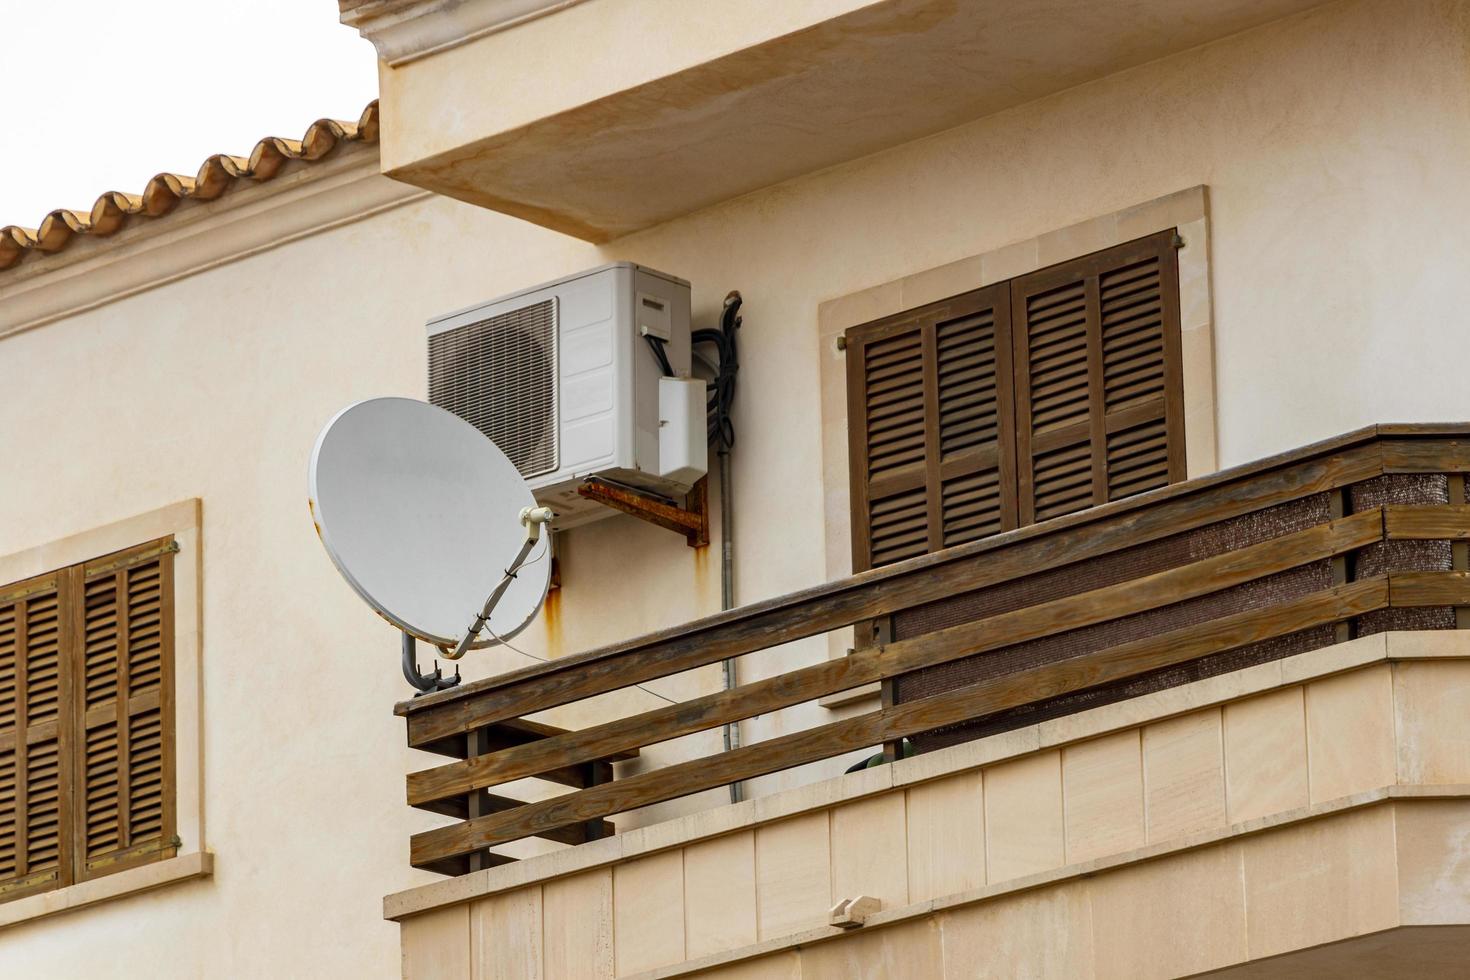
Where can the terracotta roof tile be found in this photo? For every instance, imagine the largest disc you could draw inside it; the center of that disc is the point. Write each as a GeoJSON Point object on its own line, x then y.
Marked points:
{"type": "Point", "coordinates": [114, 210]}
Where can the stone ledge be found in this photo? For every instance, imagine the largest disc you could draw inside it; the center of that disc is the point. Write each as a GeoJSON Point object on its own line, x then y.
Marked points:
{"type": "Point", "coordinates": [184, 867]}
{"type": "Point", "coordinates": [407, 29]}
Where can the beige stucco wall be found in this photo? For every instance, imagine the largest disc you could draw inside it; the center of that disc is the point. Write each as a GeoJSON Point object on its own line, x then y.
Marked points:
{"type": "Point", "coordinates": [1333, 148]}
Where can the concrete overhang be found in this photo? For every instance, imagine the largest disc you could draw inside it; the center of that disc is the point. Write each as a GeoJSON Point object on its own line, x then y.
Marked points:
{"type": "Point", "coordinates": [604, 117]}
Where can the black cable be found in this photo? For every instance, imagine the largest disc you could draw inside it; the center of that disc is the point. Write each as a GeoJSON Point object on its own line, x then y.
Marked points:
{"type": "Point", "coordinates": [657, 346]}
{"type": "Point", "coordinates": [721, 397]}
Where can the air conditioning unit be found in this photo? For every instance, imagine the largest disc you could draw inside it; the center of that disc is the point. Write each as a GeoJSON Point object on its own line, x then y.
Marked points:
{"type": "Point", "coordinates": [562, 378]}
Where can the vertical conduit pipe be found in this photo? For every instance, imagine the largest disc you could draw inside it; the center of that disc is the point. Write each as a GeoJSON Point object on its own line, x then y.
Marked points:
{"type": "Point", "coordinates": [727, 595]}
{"type": "Point", "coordinates": [722, 436]}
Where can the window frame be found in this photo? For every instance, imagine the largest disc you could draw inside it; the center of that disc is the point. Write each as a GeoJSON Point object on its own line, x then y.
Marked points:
{"type": "Point", "coordinates": [1007, 301]}
{"type": "Point", "coordinates": [191, 859]}
{"type": "Point", "coordinates": [75, 721]}
{"type": "Point", "coordinates": [1187, 209]}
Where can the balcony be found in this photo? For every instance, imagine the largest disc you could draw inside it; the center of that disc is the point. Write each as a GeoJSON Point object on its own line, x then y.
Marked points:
{"type": "Point", "coordinates": [600, 119]}
{"type": "Point", "coordinates": [1268, 580]}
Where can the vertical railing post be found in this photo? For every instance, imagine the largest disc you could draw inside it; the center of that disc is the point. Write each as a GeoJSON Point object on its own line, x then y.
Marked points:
{"type": "Point", "coordinates": [595, 774]}
{"type": "Point", "coordinates": [1340, 505]}
{"type": "Point", "coordinates": [1459, 550]}
{"type": "Point", "coordinates": [477, 742]}
{"type": "Point", "coordinates": [883, 628]}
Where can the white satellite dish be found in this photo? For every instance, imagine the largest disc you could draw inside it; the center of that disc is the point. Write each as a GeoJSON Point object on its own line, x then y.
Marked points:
{"type": "Point", "coordinates": [429, 522]}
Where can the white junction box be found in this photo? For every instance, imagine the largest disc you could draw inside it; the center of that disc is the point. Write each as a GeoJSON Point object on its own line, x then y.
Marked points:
{"type": "Point", "coordinates": [561, 378]}
{"type": "Point", "coordinates": [683, 434]}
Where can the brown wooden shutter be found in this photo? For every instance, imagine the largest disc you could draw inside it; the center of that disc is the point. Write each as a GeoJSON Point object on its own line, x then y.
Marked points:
{"type": "Point", "coordinates": [124, 696]}
{"type": "Point", "coordinates": [930, 428]}
{"type": "Point", "coordinates": [34, 737]}
{"type": "Point", "coordinates": [1099, 397]}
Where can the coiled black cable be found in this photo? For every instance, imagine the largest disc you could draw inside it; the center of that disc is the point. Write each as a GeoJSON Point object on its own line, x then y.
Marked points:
{"type": "Point", "coordinates": [721, 398]}
{"type": "Point", "coordinates": [721, 391]}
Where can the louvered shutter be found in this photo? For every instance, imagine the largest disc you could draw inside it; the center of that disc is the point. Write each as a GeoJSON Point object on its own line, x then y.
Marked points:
{"type": "Point", "coordinates": [1098, 381]}
{"type": "Point", "coordinates": [930, 428]}
{"type": "Point", "coordinates": [124, 666]}
{"type": "Point", "coordinates": [33, 738]}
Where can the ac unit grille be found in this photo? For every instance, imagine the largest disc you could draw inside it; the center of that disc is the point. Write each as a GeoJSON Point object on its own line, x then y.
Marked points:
{"type": "Point", "coordinates": [500, 376]}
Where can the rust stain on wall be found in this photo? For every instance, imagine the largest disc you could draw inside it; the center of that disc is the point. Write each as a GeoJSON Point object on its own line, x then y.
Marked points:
{"type": "Point", "coordinates": [701, 570]}
{"type": "Point", "coordinates": [551, 616]}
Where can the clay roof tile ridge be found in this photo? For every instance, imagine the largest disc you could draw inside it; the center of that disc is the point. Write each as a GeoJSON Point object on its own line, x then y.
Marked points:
{"type": "Point", "coordinates": [115, 210]}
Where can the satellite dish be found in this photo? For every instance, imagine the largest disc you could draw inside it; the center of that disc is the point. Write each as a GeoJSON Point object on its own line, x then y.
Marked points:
{"type": "Point", "coordinates": [429, 522]}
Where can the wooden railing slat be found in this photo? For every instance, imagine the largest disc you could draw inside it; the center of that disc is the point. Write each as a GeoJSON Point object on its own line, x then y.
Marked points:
{"type": "Point", "coordinates": [458, 807]}
{"type": "Point", "coordinates": [952, 707]}
{"type": "Point", "coordinates": [942, 646]}
{"type": "Point", "coordinates": [872, 594]}
{"type": "Point", "coordinates": [1425, 455]}
{"type": "Point", "coordinates": [1428, 522]}
{"type": "Point", "coordinates": [1429, 588]}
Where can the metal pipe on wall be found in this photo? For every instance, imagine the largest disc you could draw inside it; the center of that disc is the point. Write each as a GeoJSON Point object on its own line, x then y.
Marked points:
{"type": "Point", "coordinates": [722, 435]}
{"type": "Point", "coordinates": [727, 595]}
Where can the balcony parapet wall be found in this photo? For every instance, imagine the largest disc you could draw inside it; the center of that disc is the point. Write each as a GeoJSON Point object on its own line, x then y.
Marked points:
{"type": "Point", "coordinates": [1258, 813]}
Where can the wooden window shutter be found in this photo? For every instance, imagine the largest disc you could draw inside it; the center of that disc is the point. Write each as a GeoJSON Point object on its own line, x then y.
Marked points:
{"type": "Point", "coordinates": [930, 428]}
{"type": "Point", "coordinates": [34, 736]}
{"type": "Point", "coordinates": [1099, 397]}
{"type": "Point", "coordinates": [123, 664]}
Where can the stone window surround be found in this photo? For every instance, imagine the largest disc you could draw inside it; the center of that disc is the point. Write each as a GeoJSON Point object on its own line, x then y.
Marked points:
{"type": "Point", "coordinates": [1186, 210]}
{"type": "Point", "coordinates": [182, 520]}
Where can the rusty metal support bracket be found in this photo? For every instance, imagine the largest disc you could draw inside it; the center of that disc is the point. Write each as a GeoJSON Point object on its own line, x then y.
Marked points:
{"type": "Point", "coordinates": [691, 520]}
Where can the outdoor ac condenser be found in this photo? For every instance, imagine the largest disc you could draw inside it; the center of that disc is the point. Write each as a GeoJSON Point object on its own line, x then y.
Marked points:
{"type": "Point", "coordinates": [561, 378]}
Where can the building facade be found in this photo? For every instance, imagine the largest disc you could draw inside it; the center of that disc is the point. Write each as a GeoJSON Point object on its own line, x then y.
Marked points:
{"type": "Point", "coordinates": [171, 357]}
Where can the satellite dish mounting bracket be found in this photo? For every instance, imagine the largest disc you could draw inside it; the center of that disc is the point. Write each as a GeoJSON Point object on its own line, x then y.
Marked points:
{"type": "Point", "coordinates": [423, 683]}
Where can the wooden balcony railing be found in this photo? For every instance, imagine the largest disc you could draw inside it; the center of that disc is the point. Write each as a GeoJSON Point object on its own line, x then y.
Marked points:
{"type": "Point", "coordinates": [1359, 534]}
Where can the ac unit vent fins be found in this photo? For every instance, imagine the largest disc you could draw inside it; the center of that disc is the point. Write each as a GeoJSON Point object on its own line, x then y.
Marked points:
{"type": "Point", "coordinates": [500, 376]}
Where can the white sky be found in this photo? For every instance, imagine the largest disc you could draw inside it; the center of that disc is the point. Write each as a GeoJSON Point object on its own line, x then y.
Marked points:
{"type": "Point", "coordinates": [103, 94]}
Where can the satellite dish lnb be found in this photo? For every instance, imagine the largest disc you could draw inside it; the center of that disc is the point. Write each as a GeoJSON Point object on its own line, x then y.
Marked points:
{"type": "Point", "coordinates": [430, 523]}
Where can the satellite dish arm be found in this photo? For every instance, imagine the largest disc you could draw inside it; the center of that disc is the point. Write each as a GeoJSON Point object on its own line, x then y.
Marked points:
{"type": "Point", "coordinates": [532, 518]}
